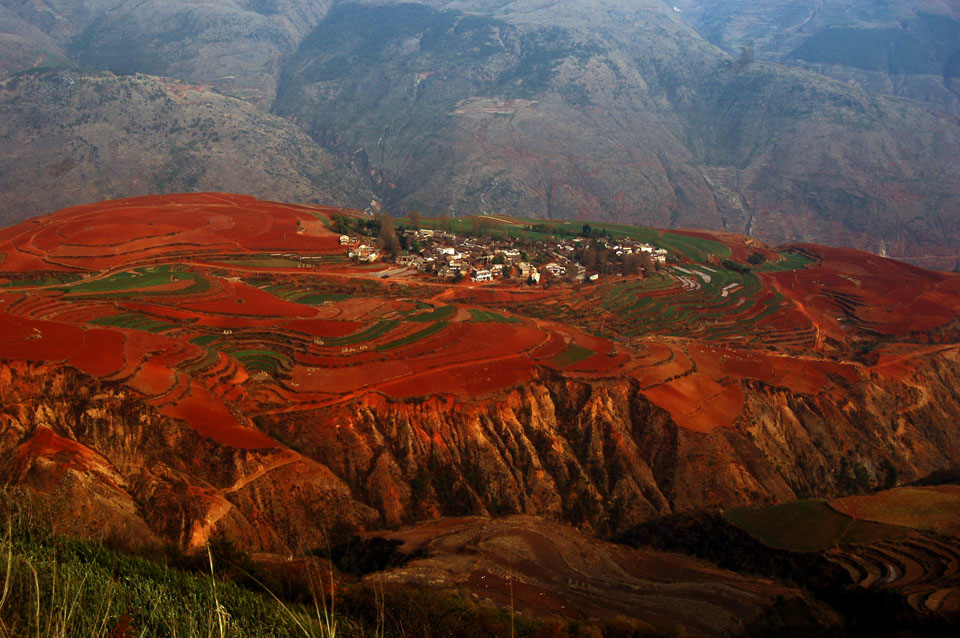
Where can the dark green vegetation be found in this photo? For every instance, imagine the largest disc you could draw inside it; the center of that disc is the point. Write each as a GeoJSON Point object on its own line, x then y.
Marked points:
{"type": "Point", "coordinates": [793, 260]}
{"type": "Point", "coordinates": [490, 317]}
{"type": "Point", "coordinates": [426, 332]}
{"type": "Point", "coordinates": [806, 526]}
{"type": "Point", "coordinates": [262, 360]}
{"type": "Point", "coordinates": [52, 280]}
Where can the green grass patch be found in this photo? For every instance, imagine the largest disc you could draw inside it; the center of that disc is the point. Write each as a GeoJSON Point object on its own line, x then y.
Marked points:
{"type": "Point", "coordinates": [371, 333]}
{"type": "Point", "coordinates": [204, 340]}
{"type": "Point", "coordinates": [262, 360]}
{"type": "Point", "coordinates": [417, 336]}
{"type": "Point", "coordinates": [135, 321]}
{"type": "Point", "coordinates": [439, 313]}
{"type": "Point", "coordinates": [485, 316]}
{"type": "Point", "coordinates": [807, 526]}
{"type": "Point", "coordinates": [571, 355]}
{"type": "Point", "coordinates": [791, 261]}
{"type": "Point", "coordinates": [132, 282]}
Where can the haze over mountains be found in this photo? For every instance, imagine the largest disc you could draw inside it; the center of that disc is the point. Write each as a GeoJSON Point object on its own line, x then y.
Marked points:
{"type": "Point", "coordinates": [821, 121]}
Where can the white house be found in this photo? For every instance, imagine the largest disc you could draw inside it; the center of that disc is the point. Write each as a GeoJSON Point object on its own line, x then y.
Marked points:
{"type": "Point", "coordinates": [555, 269]}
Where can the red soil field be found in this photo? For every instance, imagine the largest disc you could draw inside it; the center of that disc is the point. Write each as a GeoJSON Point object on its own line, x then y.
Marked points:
{"type": "Point", "coordinates": [45, 442]}
{"type": "Point", "coordinates": [323, 328]}
{"type": "Point", "coordinates": [101, 353]}
{"type": "Point", "coordinates": [144, 229]}
{"type": "Point", "coordinates": [847, 296]}
{"type": "Point", "coordinates": [886, 296]}
{"type": "Point", "coordinates": [247, 301]}
{"type": "Point", "coordinates": [153, 379]}
{"type": "Point", "coordinates": [206, 414]}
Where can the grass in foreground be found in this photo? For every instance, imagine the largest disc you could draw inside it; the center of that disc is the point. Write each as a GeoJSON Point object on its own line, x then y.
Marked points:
{"type": "Point", "coordinates": [52, 586]}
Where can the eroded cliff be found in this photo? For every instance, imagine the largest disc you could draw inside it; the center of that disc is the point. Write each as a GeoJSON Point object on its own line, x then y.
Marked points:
{"type": "Point", "coordinates": [597, 454]}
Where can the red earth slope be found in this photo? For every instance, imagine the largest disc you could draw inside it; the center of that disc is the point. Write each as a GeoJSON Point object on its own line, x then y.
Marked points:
{"type": "Point", "coordinates": [272, 375]}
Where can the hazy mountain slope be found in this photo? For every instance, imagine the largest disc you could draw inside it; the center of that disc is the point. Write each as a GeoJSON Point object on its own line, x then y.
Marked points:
{"type": "Point", "coordinates": [237, 46]}
{"type": "Point", "coordinates": [630, 115]}
{"type": "Point", "coordinates": [909, 48]}
{"type": "Point", "coordinates": [69, 137]}
{"type": "Point", "coordinates": [617, 111]}
{"type": "Point", "coordinates": [23, 46]}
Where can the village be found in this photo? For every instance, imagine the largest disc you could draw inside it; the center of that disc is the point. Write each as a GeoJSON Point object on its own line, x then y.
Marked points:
{"type": "Point", "coordinates": [482, 255]}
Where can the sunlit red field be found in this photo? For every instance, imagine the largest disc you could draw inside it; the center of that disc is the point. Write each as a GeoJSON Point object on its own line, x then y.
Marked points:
{"type": "Point", "coordinates": [165, 295]}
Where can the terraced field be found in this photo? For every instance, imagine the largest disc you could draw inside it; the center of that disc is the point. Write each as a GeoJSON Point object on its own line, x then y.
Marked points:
{"type": "Point", "coordinates": [903, 539]}
{"type": "Point", "coordinates": [221, 308]}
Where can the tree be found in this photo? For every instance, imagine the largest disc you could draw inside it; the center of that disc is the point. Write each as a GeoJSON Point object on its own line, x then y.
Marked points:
{"type": "Point", "coordinates": [646, 261]}
{"type": "Point", "coordinates": [479, 226]}
{"type": "Point", "coordinates": [414, 217]}
{"type": "Point", "coordinates": [589, 258]}
{"type": "Point", "coordinates": [756, 258]}
{"type": "Point", "coordinates": [341, 224]}
{"type": "Point", "coordinates": [443, 222]}
{"type": "Point", "coordinates": [586, 230]}
{"type": "Point", "coordinates": [388, 235]}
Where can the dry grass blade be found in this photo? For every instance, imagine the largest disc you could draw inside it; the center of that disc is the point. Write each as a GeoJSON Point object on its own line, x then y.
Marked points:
{"type": "Point", "coordinates": [216, 600]}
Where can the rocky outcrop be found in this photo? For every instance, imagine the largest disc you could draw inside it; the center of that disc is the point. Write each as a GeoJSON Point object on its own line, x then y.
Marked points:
{"type": "Point", "coordinates": [602, 455]}
{"type": "Point", "coordinates": [596, 454]}
{"type": "Point", "coordinates": [129, 473]}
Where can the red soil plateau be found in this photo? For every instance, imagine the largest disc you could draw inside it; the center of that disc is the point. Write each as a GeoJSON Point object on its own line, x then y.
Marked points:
{"type": "Point", "coordinates": [142, 291]}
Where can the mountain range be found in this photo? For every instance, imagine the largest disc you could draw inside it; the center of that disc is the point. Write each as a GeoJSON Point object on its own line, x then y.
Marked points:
{"type": "Point", "coordinates": [741, 116]}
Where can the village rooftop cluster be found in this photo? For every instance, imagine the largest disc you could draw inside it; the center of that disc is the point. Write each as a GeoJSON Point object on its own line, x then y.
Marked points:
{"type": "Point", "coordinates": [485, 254]}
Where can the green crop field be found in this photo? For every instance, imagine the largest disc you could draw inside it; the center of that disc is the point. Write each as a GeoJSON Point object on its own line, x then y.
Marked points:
{"type": "Point", "coordinates": [438, 313]}
{"type": "Point", "coordinates": [791, 261]}
{"type": "Point", "coordinates": [204, 340]}
{"type": "Point", "coordinates": [571, 355]}
{"type": "Point", "coordinates": [262, 360]}
{"type": "Point", "coordinates": [133, 282]}
{"type": "Point", "coordinates": [135, 321]}
{"type": "Point", "coordinates": [807, 526]}
{"type": "Point", "coordinates": [371, 333]}
{"type": "Point", "coordinates": [417, 336]}
{"type": "Point", "coordinates": [486, 316]}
